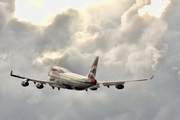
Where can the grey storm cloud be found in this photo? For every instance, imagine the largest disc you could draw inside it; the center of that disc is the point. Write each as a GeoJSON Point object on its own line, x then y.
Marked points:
{"type": "Point", "coordinates": [129, 45]}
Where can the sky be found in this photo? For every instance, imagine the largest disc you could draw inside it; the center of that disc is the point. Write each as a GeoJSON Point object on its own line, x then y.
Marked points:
{"type": "Point", "coordinates": [133, 39]}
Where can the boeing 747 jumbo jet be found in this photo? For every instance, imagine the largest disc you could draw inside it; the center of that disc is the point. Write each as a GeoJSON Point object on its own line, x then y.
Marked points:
{"type": "Point", "coordinates": [62, 78]}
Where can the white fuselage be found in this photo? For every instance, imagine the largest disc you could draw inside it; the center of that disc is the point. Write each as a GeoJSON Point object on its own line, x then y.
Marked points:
{"type": "Point", "coordinates": [68, 79]}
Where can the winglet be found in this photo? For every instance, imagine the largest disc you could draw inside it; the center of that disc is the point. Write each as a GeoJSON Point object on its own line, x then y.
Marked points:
{"type": "Point", "coordinates": [152, 77]}
{"type": "Point", "coordinates": [11, 73]}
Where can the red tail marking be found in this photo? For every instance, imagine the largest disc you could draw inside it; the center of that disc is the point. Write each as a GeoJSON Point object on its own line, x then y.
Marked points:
{"type": "Point", "coordinates": [93, 81]}
{"type": "Point", "coordinates": [95, 63]}
{"type": "Point", "coordinates": [54, 69]}
{"type": "Point", "coordinates": [92, 71]}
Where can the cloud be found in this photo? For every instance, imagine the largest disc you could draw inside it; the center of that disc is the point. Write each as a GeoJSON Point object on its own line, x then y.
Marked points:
{"type": "Point", "coordinates": [155, 8]}
{"type": "Point", "coordinates": [130, 45]}
{"type": "Point", "coordinates": [42, 12]}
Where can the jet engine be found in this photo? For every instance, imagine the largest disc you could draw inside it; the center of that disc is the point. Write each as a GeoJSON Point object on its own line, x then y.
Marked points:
{"type": "Point", "coordinates": [93, 89]}
{"type": "Point", "coordinates": [119, 86]}
{"type": "Point", "coordinates": [25, 83]}
{"type": "Point", "coordinates": [40, 86]}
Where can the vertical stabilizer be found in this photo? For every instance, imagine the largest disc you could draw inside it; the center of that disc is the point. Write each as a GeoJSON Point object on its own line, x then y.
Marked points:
{"type": "Point", "coordinates": [92, 71]}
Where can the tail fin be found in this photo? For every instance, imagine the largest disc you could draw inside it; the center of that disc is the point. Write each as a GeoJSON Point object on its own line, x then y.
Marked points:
{"type": "Point", "coordinates": [92, 71]}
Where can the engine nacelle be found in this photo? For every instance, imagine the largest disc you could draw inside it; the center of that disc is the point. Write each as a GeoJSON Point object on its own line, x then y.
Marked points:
{"type": "Point", "coordinates": [93, 89]}
{"type": "Point", "coordinates": [25, 83]}
{"type": "Point", "coordinates": [40, 86]}
{"type": "Point", "coordinates": [119, 86]}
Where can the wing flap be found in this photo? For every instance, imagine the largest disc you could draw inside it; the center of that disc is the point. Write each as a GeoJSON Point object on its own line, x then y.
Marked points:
{"type": "Point", "coordinates": [112, 83]}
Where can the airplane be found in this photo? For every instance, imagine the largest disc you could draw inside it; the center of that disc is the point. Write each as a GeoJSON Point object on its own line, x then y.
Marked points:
{"type": "Point", "coordinates": [60, 77]}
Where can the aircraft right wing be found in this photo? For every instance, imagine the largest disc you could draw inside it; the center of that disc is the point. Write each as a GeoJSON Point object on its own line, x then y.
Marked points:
{"type": "Point", "coordinates": [116, 83]}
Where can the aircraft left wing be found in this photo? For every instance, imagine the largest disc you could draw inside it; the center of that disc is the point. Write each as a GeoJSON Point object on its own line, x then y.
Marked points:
{"type": "Point", "coordinates": [111, 83]}
{"type": "Point", "coordinates": [34, 80]}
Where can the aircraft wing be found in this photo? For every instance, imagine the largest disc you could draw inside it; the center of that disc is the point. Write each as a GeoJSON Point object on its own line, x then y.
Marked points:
{"type": "Point", "coordinates": [111, 83]}
{"type": "Point", "coordinates": [34, 80]}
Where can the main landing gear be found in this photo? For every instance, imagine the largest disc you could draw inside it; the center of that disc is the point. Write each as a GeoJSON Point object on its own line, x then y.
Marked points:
{"type": "Point", "coordinates": [53, 87]}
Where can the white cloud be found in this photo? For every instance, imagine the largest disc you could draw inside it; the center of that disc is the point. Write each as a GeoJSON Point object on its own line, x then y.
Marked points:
{"type": "Point", "coordinates": [47, 55]}
{"type": "Point", "coordinates": [155, 8]}
{"type": "Point", "coordinates": [129, 45]}
{"type": "Point", "coordinates": [44, 11]}
{"type": "Point", "coordinates": [179, 74]}
{"type": "Point", "coordinates": [174, 68]}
